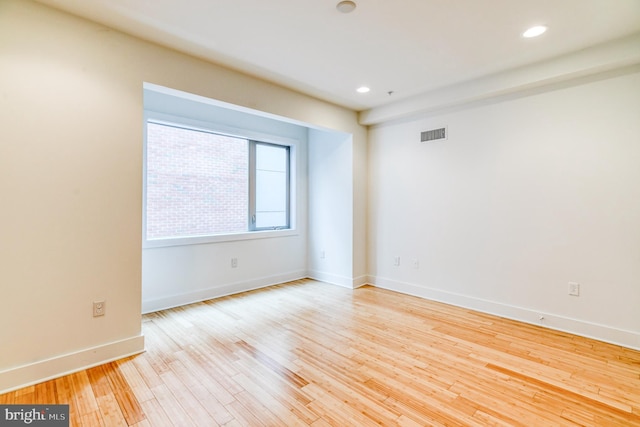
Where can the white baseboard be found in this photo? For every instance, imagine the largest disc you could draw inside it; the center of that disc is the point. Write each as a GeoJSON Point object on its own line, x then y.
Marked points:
{"type": "Point", "coordinates": [334, 279]}
{"type": "Point", "coordinates": [163, 303]}
{"type": "Point", "coordinates": [596, 331]}
{"type": "Point", "coordinates": [360, 281]}
{"type": "Point", "coordinates": [44, 370]}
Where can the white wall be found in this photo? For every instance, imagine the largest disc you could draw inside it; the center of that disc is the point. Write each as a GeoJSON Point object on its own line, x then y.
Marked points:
{"type": "Point", "coordinates": [331, 207]}
{"type": "Point", "coordinates": [70, 168]}
{"type": "Point", "coordinates": [525, 196]}
{"type": "Point", "coordinates": [71, 181]}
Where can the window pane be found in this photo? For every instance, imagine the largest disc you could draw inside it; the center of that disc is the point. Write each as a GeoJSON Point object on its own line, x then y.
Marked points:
{"type": "Point", "coordinates": [271, 157]}
{"type": "Point", "coordinates": [271, 186]}
{"type": "Point", "coordinates": [197, 183]}
{"type": "Point", "coordinates": [271, 191]}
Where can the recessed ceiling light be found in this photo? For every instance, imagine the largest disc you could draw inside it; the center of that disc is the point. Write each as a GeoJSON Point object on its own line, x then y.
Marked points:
{"type": "Point", "coordinates": [363, 89]}
{"type": "Point", "coordinates": [346, 6]}
{"type": "Point", "coordinates": [534, 31]}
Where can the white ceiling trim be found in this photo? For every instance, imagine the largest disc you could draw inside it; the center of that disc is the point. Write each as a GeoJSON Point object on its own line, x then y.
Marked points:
{"type": "Point", "coordinates": [594, 62]}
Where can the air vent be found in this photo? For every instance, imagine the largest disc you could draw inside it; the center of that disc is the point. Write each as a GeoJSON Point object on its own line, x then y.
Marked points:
{"type": "Point", "coordinates": [433, 135]}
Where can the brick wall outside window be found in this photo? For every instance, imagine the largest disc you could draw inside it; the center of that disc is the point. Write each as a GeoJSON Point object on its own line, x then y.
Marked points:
{"type": "Point", "coordinates": [197, 183]}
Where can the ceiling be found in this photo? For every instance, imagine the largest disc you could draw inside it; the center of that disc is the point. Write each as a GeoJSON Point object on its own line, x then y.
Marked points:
{"type": "Point", "coordinates": [398, 48]}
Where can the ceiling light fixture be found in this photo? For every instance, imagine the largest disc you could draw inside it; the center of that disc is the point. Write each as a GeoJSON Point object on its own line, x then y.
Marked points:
{"type": "Point", "coordinates": [346, 6]}
{"type": "Point", "coordinates": [534, 31]}
{"type": "Point", "coordinates": [363, 89]}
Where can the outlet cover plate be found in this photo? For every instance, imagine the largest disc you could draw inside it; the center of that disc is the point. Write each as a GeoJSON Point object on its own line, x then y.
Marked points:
{"type": "Point", "coordinates": [574, 289]}
{"type": "Point", "coordinates": [99, 308]}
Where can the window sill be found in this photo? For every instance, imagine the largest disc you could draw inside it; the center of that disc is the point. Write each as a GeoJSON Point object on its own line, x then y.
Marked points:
{"type": "Point", "coordinates": [203, 240]}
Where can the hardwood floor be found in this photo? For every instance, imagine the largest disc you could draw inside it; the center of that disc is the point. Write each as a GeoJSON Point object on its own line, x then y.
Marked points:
{"type": "Point", "coordinates": [308, 353]}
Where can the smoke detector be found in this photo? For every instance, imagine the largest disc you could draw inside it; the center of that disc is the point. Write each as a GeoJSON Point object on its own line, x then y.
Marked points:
{"type": "Point", "coordinates": [346, 6]}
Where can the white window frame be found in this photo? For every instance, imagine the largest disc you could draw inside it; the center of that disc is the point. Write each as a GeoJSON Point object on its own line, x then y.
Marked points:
{"type": "Point", "coordinates": [253, 190]}
{"type": "Point", "coordinates": [252, 136]}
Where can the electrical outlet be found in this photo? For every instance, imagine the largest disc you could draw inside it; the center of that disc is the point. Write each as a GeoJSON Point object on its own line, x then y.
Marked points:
{"type": "Point", "coordinates": [234, 262]}
{"type": "Point", "coordinates": [415, 263]}
{"type": "Point", "coordinates": [396, 261]}
{"type": "Point", "coordinates": [322, 255]}
{"type": "Point", "coordinates": [574, 289]}
{"type": "Point", "coordinates": [99, 308]}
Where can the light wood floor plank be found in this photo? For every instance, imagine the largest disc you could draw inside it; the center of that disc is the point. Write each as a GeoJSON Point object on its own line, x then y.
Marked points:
{"type": "Point", "coordinates": [123, 393]}
{"type": "Point", "coordinates": [110, 411]}
{"type": "Point", "coordinates": [309, 353]}
{"type": "Point", "coordinates": [66, 395]}
{"type": "Point", "coordinates": [156, 414]}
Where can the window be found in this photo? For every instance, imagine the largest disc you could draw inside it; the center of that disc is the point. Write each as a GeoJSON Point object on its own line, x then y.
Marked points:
{"type": "Point", "coordinates": [270, 185]}
{"type": "Point", "coordinates": [205, 183]}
